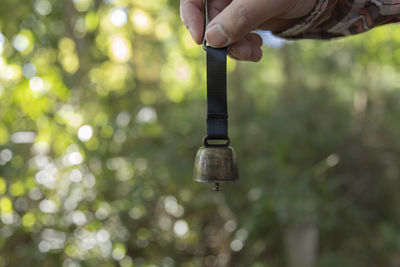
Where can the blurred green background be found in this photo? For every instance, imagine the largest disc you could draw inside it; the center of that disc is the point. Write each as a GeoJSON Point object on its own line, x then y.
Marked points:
{"type": "Point", "coordinates": [102, 109]}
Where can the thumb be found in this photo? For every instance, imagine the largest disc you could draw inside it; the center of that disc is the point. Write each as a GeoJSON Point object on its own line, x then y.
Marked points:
{"type": "Point", "coordinates": [239, 18]}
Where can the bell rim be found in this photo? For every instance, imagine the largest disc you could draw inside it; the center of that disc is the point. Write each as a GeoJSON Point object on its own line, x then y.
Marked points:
{"type": "Point", "coordinates": [218, 181]}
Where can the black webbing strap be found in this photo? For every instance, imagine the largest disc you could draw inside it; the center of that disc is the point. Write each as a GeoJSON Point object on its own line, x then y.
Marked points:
{"type": "Point", "coordinates": [217, 112]}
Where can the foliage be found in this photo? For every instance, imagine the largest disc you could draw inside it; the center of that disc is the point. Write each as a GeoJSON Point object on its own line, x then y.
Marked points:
{"type": "Point", "coordinates": [102, 107]}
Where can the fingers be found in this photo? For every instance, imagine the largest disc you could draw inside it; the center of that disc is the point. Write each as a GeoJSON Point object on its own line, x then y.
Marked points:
{"type": "Point", "coordinates": [192, 16]}
{"type": "Point", "coordinates": [216, 6]}
{"type": "Point", "coordinates": [248, 48]}
{"type": "Point", "coordinates": [239, 18]}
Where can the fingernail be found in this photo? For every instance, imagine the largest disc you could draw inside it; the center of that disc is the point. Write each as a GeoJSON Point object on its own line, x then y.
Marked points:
{"type": "Point", "coordinates": [216, 36]}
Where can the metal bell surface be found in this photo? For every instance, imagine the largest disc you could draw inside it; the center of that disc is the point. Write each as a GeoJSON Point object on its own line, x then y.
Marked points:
{"type": "Point", "coordinates": [215, 165]}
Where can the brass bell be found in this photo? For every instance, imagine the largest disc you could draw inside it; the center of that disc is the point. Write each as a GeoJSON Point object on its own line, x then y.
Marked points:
{"type": "Point", "coordinates": [215, 164]}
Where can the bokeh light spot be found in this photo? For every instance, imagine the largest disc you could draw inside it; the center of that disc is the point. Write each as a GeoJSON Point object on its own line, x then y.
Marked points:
{"type": "Point", "coordinates": [236, 245]}
{"type": "Point", "coordinates": [5, 205]}
{"type": "Point", "coordinates": [48, 206]}
{"type": "Point", "coordinates": [17, 189]}
{"type": "Point", "coordinates": [21, 42]}
{"type": "Point", "coordinates": [43, 7]}
{"type": "Point", "coordinates": [29, 70]}
{"type": "Point", "coordinates": [36, 84]}
{"type": "Point", "coordinates": [181, 227]}
{"type": "Point", "coordinates": [118, 16]}
{"type": "Point", "coordinates": [119, 252]}
{"type": "Point", "coordinates": [79, 218]}
{"type": "Point", "coordinates": [85, 133]}
{"type": "Point", "coordinates": [24, 137]}
{"type": "Point", "coordinates": [82, 5]}
{"type": "Point", "coordinates": [120, 49]}
{"type": "Point", "coordinates": [230, 226]}
{"type": "Point", "coordinates": [3, 186]}
{"type": "Point", "coordinates": [28, 220]}
{"type": "Point", "coordinates": [2, 41]}
{"type": "Point", "coordinates": [146, 115]}
{"type": "Point", "coordinates": [6, 155]}
{"type": "Point", "coordinates": [142, 21]}
{"type": "Point", "coordinates": [332, 160]}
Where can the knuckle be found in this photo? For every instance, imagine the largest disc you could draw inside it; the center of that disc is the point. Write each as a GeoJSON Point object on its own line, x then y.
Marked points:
{"type": "Point", "coordinates": [240, 13]}
{"type": "Point", "coordinates": [239, 22]}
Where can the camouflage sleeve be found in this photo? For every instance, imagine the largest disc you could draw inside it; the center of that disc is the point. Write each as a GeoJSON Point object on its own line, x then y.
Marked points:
{"type": "Point", "coordinates": [335, 18]}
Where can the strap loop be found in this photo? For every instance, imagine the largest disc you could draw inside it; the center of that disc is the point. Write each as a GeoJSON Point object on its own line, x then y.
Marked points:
{"type": "Point", "coordinates": [208, 138]}
{"type": "Point", "coordinates": [217, 111]}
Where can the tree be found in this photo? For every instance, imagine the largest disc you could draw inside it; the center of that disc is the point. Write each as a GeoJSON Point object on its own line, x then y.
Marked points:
{"type": "Point", "coordinates": [102, 107]}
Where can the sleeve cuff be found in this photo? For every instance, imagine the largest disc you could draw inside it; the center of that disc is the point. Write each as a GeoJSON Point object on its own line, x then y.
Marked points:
{"type": "Point", "coordinates": [336, 18]}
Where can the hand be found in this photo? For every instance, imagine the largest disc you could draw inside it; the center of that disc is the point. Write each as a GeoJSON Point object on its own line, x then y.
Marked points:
{"type": "Point", "coordinates": [233, 20]}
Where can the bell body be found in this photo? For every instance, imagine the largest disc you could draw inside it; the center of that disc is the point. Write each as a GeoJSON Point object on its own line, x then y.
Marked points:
{"type": "Point", "coordinates": [215, 165]}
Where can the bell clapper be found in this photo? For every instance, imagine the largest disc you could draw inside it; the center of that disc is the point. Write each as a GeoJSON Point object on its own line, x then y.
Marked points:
{"type": "Point", "coordinates": [217, 187]}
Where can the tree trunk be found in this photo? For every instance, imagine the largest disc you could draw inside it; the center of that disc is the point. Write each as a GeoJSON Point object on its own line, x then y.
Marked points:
{"type": "Point", "coordinates": [301, 244]}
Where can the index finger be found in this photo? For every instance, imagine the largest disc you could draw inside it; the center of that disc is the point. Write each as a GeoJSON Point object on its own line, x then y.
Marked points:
{"type": "Point", "coordinates": [192, 15]}
{"type": "Point", "coordinates": [239, 18]}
